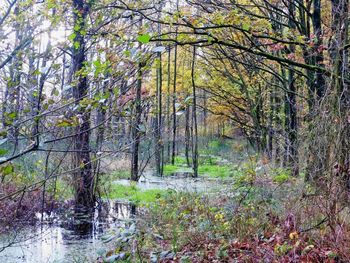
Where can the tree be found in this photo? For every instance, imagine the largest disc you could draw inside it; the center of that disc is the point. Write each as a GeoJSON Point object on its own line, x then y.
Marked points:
{"type": "Point", "coordinates": [84, 196]}
{"type": "Point", "coordinates": [194, 118]}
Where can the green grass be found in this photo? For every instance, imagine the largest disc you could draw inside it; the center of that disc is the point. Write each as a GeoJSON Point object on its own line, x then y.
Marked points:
{"type": "Point", "coordinates": [208, 166]}
{"type": "Point", "coordinates": [170, 169]}
{"type": "Point", "coordinates": [134, 194]}
{"type": "Point", "coordinates": [180, 160]}
{"type": "Point", "coordinates": [203, 159]}
{"type": "Point", "coordinates": [215, 170]}
{"type": "Point", "coordinates": [221, 171]}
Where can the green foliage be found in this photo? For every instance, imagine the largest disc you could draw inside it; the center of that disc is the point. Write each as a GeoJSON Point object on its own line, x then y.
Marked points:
{"type": "Point", "coordinates": [3, 151]}
{"type": "Point", "coordinates": [144, 39]}
{"type": "Point", "coordinates": [100, 67]}
{"type": "Point", "coordinates": [6, 169]}
{"type": "Point", "coordinates": [51, 4]}
{"type": "Point", "coordinates": [281, 176]}
{"type": "Point", "coordinates": [283, 249]}
{"type": "Point", "coordinates": [72, 37]}
{"type": "Point", "coordinates": [76, 44]}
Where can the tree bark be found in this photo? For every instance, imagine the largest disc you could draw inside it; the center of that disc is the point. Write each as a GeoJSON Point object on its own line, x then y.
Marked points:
{"type": "Point", "coordinates": [290, 106]}
{"type": "Point", "coordinates": [135, 131]}
{"type": "Point", "coordinates": [168, 105]}
{"type": "Point", "coordinates": [159, 121]}
{"type": "Point", "coordinates": [13, 90]}
{"type": "Point", "coordinates": [174, 108]}
{"type": "Point", "coordinates": [187, 134]}
{"type": "Point", "coordinates": [84, 194]}
{"type": "Point", "coordinates": [194, 117]}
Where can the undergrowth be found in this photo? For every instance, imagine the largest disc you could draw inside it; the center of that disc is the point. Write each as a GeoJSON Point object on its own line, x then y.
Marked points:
{"type": "Point", "coordinates": [264, 215]}
{"type": "Point", "coordinates": [258, 219]}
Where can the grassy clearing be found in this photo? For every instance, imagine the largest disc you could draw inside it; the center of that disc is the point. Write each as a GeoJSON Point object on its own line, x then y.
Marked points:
{"type": "Point", "coordinates": [134, 194]}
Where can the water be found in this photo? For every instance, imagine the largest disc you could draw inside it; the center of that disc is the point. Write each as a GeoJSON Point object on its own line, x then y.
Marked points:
{"type": "Point", "coordinates": [64, 238]}
{"type": "Point", "coordinates": [179, 181]}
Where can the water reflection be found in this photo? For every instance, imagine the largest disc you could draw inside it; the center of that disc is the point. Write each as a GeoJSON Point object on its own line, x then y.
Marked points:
{"type": "Point", "coordinates": [180, 181]}
{"type": "Point", "coordinates": [68, 236]}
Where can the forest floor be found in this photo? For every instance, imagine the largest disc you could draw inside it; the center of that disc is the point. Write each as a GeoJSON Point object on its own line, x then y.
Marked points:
{"type": "Point", "coordinates": [253, 221]}
{"type": "Point", "coordinates": [240, 209]}
{"type": "Point", "coordinates": [262, 215]}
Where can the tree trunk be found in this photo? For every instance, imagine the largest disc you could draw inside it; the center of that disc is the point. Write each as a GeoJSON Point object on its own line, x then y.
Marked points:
{"type": "Point", "coordinates": [13, 90]}
{"type": "Point", "coordinates": [318, 85]}
{"type": "Point", "coordinates": [174, 108]}
{"type": "Point", "coordinates": [194, 118]}
{"type": "Point", "coordinates": [84, 195]}
{"type": "Point", "coordinates": [101, 126]}
{"type": "Point", "coordinates": [135, 131]}
{"type": "Point", "coordinates": [168, 105]}
{"type": "Point", "coordinates": [290, 107]}
{"type": "Point", "coordinates": [159, 122]}
{"type": "Point", "coordinates": [187, 134]}
{"type": "Point", "coordinates": [205, 113]}
{"type": "Point", "coordinates": [271, 123]}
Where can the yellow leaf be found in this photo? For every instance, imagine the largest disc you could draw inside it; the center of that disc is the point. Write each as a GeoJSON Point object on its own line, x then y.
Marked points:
{"type": "Point", "coordinates": [293, 235]}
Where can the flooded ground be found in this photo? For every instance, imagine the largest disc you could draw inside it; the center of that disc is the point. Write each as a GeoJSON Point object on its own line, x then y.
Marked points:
{"type": "Point", "coordinates": [179, 181]}
{"type": "Point", "coordinates": [67, 237]}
